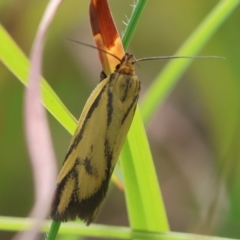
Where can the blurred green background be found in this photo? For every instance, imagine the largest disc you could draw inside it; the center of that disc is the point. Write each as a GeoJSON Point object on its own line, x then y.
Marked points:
{"type": "Point", "coordinates": [194, 135]}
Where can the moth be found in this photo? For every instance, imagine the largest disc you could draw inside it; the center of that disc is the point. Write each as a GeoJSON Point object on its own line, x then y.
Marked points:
{"type": "Point", "coordinates": [96, 144]}
{"type": "Point", "coordinates": [103, 125]}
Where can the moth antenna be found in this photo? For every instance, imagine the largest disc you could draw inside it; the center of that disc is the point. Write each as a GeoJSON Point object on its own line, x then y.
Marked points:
{"type": "Point", "coordinates": [94, 47]}
{"type": "Point", "coordinates": [174, 57]}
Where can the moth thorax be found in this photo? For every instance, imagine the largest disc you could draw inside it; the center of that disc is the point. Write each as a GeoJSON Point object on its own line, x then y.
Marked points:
{"type": "Point", "coordinates": [126, 68]}
{"type": "Point", "coordinates": [126, 86]}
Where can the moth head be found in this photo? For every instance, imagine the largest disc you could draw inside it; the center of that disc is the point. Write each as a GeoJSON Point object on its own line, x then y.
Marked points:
{"type": "Point", "coordinates": [126, 64]}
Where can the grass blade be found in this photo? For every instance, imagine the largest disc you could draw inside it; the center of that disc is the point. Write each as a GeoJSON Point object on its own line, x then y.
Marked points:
{"type": "Point", "coordinates": [15, 60]}
{"type": "Point", "coordinates": [167, 79]}
{"type": "Point", "coordinates": [144, 201]}
{"type": "Point", "coordinates": [103, 231]}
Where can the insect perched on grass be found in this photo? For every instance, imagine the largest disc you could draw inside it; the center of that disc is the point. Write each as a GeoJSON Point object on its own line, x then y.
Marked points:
{"type": "Point", "coordinates": [95, 147]}
{"type": "Point", "coordinates": [96, 144]}
{"type": "Point", "coordinates": [103, 125]}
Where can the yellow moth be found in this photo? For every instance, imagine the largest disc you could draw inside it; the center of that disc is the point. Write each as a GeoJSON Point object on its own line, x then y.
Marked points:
{"type": "Point", "coordinates": [103, 125]}
{"type": "Point", "coordinates": [96, 144]}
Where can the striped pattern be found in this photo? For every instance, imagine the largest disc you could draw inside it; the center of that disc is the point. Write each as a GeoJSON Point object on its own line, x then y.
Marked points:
{"type": "Point", "coordinates": [95, 147]}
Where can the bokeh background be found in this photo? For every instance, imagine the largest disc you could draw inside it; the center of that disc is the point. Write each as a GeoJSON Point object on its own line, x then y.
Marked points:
{"type": "Point", "coordinates": [194, 136]}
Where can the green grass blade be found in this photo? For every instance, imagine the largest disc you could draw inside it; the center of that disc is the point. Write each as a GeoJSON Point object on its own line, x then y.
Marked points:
{"type": "Point", "coordinates": [136, 14]}
{"type": "Point", "coordinates": [103, 231]}
{"type": "Point", "coordinates": [54, 229]}
{"type": "Point", "coordinates": [144, 201]}
{"type": "Point", "coordinates": [167, 79]}
{"type": "Point", "coordinates": [15, 60]}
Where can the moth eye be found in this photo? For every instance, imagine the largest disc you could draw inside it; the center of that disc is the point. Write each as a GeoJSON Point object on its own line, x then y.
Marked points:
{"type": "Point", "coordinates": [117, 67]}
{"type": "Point", "coordinates": [102, 75]}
